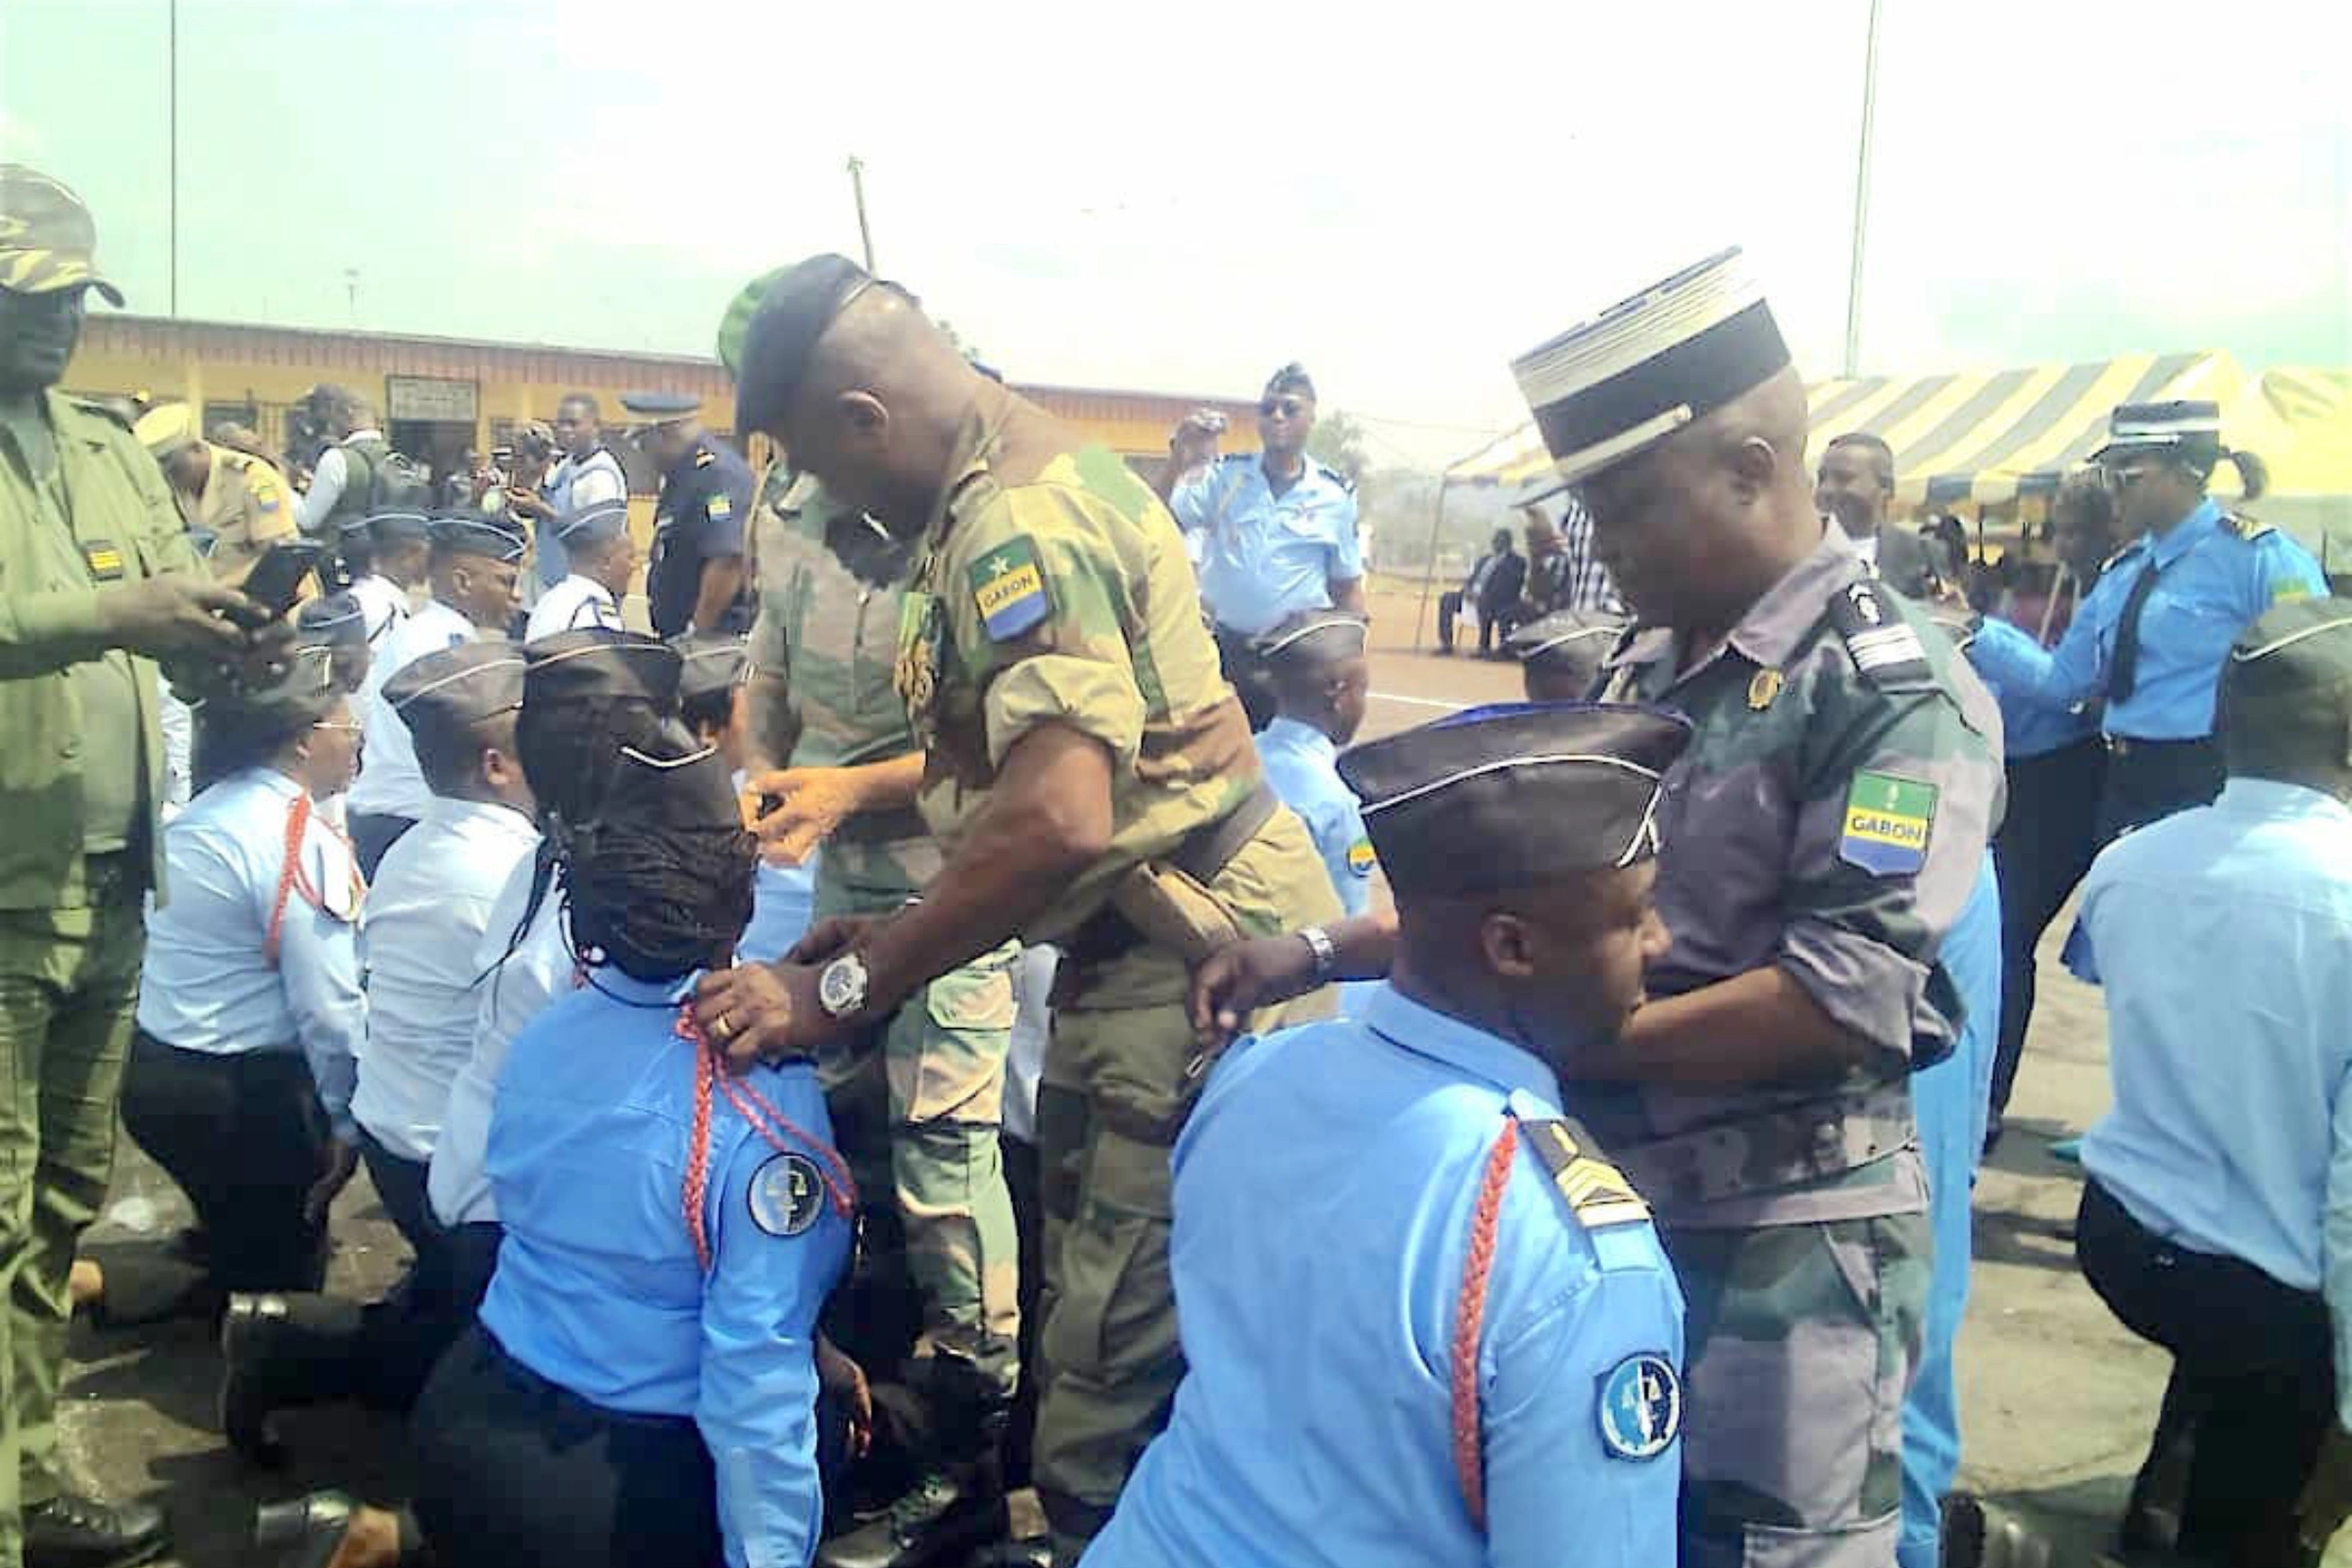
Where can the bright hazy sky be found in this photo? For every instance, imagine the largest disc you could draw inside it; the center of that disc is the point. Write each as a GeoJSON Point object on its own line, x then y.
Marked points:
{"type": "Point", "coordinates": [1183, 197]}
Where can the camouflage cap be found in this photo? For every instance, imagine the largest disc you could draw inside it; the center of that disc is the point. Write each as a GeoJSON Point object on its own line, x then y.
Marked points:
{"type": "Point", "coordinates": [47, 240]}
{"type": "Point", "coordinates": [736, 324]}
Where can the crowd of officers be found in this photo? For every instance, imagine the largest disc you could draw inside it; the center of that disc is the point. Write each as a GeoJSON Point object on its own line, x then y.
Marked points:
{"type": "Point", "coordinates": [1608, 1205]}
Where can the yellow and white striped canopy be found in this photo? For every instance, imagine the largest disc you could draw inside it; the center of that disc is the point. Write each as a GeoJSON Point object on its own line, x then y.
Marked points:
{"type": "Point", "coordinates": [1982, 436]}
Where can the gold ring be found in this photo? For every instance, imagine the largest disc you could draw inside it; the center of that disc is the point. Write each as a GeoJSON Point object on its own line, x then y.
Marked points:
{"type": "Point", "coordinates": [724, 1026]}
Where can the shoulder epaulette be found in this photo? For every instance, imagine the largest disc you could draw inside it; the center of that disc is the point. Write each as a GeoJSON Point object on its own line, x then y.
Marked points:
{"type": "Point", "coordinates": [1335, 476]}
{"type": "Point", "coordinates": [2245, 528]}
{"type": "Point", "coordinates": [111, 411]}
{"type": "Point", "coordinates": [1596, 1192]}
{"type": "Point", "coordinates": [1882, 644]}
{"type": "Point", "coordinates": [705, 458]}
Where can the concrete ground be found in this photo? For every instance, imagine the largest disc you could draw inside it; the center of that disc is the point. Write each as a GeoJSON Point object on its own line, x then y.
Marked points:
{"type": "Point", "coordinates": [2057, 1399]}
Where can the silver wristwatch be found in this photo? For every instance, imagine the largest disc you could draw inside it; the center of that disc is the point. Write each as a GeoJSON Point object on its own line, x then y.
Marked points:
{"type": "Point", "coordinates": [841, 986]}
{"type": "Point", "coordinates": [1327, 952]}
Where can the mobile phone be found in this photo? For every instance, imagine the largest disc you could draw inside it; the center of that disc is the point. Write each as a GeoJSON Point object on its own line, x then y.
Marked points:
{"type": "Point", "coordinates": [276, 579]}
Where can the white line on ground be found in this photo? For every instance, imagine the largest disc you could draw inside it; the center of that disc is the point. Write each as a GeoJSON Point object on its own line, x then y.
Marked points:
{"type": "Point", "coordinates": [1418, 702]}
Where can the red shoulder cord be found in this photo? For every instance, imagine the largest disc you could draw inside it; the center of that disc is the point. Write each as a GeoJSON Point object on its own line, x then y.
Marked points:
{"type": "Point", "coordinates": [765, 1119]}
{"type": "Point", "coordinates": [293, 879]}
{"type": "Point", "coordinates": [1469, 1323]}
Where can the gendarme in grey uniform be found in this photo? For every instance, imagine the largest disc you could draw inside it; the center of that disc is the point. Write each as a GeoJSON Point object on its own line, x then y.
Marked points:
{"type": "Point", "coordinates": [1827, 820]}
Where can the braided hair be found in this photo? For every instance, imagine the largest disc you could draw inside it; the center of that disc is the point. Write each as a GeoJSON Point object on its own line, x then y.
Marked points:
{"type": "Point", "coordinates": [658, 902]}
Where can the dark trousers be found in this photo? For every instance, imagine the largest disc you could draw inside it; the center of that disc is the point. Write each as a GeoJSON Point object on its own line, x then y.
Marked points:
{"type": "Point", "coordinates": [1024, 1179]}
{"type": "Point", "coordinates": [512, 1470]}
{"type": "Point", "coordinates": [2045, 846]}
{"type": "Point", "coordinates": [2251, 1398]}
{"type": "Point", "coordinates": [246, 1139]}
{"type": "Point", "coordinates": [400, 1184]}
{"type": "Point", "coordinates": [372, 834]}
{"type": "Point", "coordinates": [1449, 606]}
{"type": "Point", "coordinates": [1248, 676]}
{"type": "Point", "coordinates": [2149, 780]}
{"type": "Point", "coordinates": [381, 1354]}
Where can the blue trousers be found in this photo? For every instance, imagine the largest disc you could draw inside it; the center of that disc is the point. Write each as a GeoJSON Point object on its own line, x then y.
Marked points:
{"type": "Point", "coordinates": [1949, 1101]}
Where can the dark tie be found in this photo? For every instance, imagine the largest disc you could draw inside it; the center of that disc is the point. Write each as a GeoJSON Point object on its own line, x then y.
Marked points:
{"type": "Point", "coordinates": [2127, 635]}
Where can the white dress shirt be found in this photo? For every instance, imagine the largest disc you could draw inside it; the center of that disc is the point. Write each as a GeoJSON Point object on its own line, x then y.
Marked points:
{"type": "Point", "coordinates": [570, 604]}
{"type": "Point", "coordinates": [178, 723]}
{"type": "Point", "coordinates": [390, 782]}
{"type": "Point", "coordinates": [516, 987]}
{"type": "Point", "coordinates": [383, 604]}
{"type": "Point", "coordinates": [421, 940]}
{"type": "Point", "coordinates": [209, 985]}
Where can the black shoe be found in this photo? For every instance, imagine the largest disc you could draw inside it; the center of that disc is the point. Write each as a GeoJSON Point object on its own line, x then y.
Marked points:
{"type": "Point", "coordinates": [254, 1376]}
{"type": "Point", "coordinates": [306, 1531]}
{"type": "Point", "coordinates": [77, 1532]}
{"type": "Point", "coordinates": [937, 1520]}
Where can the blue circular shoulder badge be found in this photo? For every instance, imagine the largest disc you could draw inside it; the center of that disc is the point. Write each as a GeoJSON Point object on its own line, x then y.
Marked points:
{"type": "Point", "coordinates": [1640, 1407]}
{"type": "Point", "coordinates": [786, 1195]}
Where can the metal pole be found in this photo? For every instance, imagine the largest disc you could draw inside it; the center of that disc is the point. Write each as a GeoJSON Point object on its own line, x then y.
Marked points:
{"type": "Point", "coordinates": [1853, 278]}
{"type": "Point", "coordinates": [866, 235]}
{"type": "Point", "coordinates": [172, 290]}
{"type": "Point", "coordinates": [1428, 563]}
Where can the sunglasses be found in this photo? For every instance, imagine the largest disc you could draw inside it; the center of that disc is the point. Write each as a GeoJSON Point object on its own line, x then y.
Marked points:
{"type": "Point", "coordinates": [2121, 479]}
{"type": "Point", "coordinates": [1288, 407]}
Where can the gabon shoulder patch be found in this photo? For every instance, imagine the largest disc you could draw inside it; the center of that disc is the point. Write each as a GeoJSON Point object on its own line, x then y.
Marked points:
{"type": "Point", "coordinates": [1009, 589]}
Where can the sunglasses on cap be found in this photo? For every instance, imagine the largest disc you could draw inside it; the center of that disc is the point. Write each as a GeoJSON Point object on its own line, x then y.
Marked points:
{"type": "Point", "coordinates": [1288, 407]}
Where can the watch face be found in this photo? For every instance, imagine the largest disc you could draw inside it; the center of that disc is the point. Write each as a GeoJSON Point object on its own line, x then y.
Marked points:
{"type": "Point", "coordinates": [840, 988]}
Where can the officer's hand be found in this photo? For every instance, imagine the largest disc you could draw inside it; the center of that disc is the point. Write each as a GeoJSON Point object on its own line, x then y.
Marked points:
{"type": "Point", "coordinates": [761, 1012]}
{"type": "Point", "coordinates": [2328, 1495]}
{"type": "Point", "coordinates": [830, 936]}
{"type": "Point", "coordinates": [525, 504]}
{"type": "Point", "coordinates": [179, 615]}
{"type": "Point", "coordinates": [810, 804]}
{"type": "Point", "coordinates": [845, 1380]}
{"type": "Point", "coordinates": [342, 1161]}
{"type": "Point", "coordinates": [1196, 439]}
{"type": "Point", "coordinates": [1236, 981]}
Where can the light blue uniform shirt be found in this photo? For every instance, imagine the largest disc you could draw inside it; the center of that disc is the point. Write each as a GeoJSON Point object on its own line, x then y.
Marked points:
{"type": "Point", "coordinates": [1302, 765]}
{"type": "Point", "coordinates": [1951, 1100]}
{"type": "Point", "coordinates": [598, 1287]}
{"type": "Point", "coordinates": [2224, 937]}
{"type": "Point", "coordinates": [208, 985]}
{"type": "Point", "coordinates": [576, 482]}
{"type": "Point", "coordinates": [1324, 1187]}
{"type": "Point", "coordinates": [2213, 584]}
{"type": "Point", "coordinates": [2030, 728]}
{"type": "Point", "coordinates": [783, 901]}
{"type": "Point", "coordinates": [1263, 555]}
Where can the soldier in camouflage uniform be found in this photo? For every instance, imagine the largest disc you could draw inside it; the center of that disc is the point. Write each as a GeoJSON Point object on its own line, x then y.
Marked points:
{"type": "Point", "coordinates": [917, 1098]}
{"type": "Point", "coordinates": [1092, 780]}
{"type": "Point", "coordinates": [1823, 833]}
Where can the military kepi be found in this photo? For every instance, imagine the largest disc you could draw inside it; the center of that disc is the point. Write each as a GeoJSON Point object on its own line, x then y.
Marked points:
{"type": "Point", "coordinates": [48, 241]}
{"type": "Point", "coordinates": [440, 693]}
{"type": "Point", "coordinates": [662, 408]}
{"type": "Point", "coordinates": [2291, 670]}
{"type": "Point", "coordinates": [166, 429]}
{"type": "Point", "coordinates": [1515, 794]}
{"type": "Point", "coordinates": [1645, 368]}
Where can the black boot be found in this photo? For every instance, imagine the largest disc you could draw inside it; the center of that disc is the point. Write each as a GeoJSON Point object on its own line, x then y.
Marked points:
{"type": "Point", "coordinates": [306, 1531]}
{"type": "Point", "coordinates": [278, 1353]}
{"type": "Point", "coordinates": [956, 1503]}
{"type": "Point", "coordinates": [77, 1532]}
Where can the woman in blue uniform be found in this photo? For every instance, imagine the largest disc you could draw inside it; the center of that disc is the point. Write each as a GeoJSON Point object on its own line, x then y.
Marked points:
{"type": "Point", "coordinates": [2152, 636]}
{"type": "Point", "coordinates": [250, 1010]}
{"type": "Point", "coordinates": [641, 1385]}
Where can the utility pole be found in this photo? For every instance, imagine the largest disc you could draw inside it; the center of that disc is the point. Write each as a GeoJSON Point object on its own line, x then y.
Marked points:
{"type": "Point", "coordinates": [350, 292]}
{"type": "Point", "coordinates": [1853, 277]}
{"type": "Point", "coordinates": [171, 51]}
{"type": "Point", "coordinates": [866, 235]}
